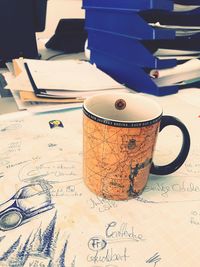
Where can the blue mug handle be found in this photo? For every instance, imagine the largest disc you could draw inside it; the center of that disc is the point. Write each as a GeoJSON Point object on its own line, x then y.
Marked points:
{"type": "Point", "coordinates": [179, 160]}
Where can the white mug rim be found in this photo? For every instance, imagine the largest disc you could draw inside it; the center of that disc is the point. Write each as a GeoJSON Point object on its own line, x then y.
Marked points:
{"type": "Point", "coordinates": [122, 123]}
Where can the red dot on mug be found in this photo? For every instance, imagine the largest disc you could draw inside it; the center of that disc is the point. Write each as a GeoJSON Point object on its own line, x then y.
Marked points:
{"type": "Point", "coordinates": [120, 104]}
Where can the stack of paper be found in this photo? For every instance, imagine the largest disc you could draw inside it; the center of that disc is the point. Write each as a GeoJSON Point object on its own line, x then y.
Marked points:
{"type": "Point", "coordinates": [181, 8]}
{"type": "Point", "coordinates": [57, 84]}
{"type": "Point", "coordinates": [184, 48]}
{"type": "Point", "coordinates": [183, 22]}
{"type": "Point", "coordinates": [183, 74]}
{"type": "Point", "coordinates": [179, 30]}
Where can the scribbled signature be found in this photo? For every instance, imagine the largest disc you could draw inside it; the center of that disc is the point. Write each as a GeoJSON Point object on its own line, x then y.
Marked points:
{"type": "Point", "coordinates": [53, 170]}
{"type": "Point", "coordinates": [154, 259]}
{"type": "Point", "coordinates": [10, 127]}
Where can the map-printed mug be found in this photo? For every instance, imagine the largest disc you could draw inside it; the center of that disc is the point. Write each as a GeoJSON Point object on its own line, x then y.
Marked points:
{"type": "Point", "coordinates": [120, 132]}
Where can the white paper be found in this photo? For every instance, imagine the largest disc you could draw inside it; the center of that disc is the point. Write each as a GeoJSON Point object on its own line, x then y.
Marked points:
{"type": "Point", "coordinates": [179, 30]}
{"type": "Point", "coordinates": [70, 75]}
{"type": "Point", "coordinates": [182, 72]}
{"type": "Point", "coordinates": [36, 107]}
{"type": "Point", "coordinates": [85, 94]}
{"type": "Point", "coordinates": [174, 52]}
{"type": "Point", "coordinates": [182, 8]}
{"type": "Point", "coordinates": [176, 27]}
{"type": "Point", "coordinates": [19, 82]}
{"type": "Point", "coordinates": [160, 228]}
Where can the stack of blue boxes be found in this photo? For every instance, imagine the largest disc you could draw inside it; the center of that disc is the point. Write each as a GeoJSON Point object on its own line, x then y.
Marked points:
{"type": "Point", "coordinates": [122, 42]}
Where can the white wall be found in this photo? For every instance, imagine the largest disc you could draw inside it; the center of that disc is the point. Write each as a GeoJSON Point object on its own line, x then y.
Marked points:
{"type": "Point", "coordinates": [57, 9]}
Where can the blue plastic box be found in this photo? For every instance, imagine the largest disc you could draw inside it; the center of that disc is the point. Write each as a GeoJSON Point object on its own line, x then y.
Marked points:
{"type": "Point", "coordinates": [127, 49]}
{"type": "Point", "coordinates": [131, 5]}
{"type": "Point", "coordinates": [124, 23]}
{"type": "Point", "coordinates": [129, 74]}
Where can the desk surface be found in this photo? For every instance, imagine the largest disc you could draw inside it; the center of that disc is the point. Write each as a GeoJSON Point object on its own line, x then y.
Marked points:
{"type": "Point", "coordinates": [59, 222]}
{"type": "Point", "coordinates": [7, 105]}
{"type": "Point", "coordinates": [41, 175]}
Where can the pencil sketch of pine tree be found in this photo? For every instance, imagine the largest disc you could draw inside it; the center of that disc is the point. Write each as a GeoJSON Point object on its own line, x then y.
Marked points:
{"type": "Point", "coordinates": [10, 250]}
{"type": "Point", "coordinates": [41, 243]}
{"type": "Point", "coordinates": [23, 252]}
{"type": "Point", "coordinates": [61, 261]}
{"type": "Point", "coordinates": [48, 239]}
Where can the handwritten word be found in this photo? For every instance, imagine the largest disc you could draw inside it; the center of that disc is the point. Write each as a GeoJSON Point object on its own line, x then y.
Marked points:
{"type": "Point", "coordinates": [16, 164]}
{"type": "Point", "coordinates": [108, 256]}
{"type": "Point", "coordinates": [36, 263]}
{"type": "Point", "coordinates": [69, 190]}
{"type": "Point", "coordinates": [11, 127]}
{"type": "Point", "coordinates": [97, 243]}
{"type": "Point", "coordinates": [141, 199]}
{"type": "Point", "coordinates": [195, 217]}
{"type": "Point", "coordinates": [121, 231]}
{"type": "Point", "coordinates": [52, 145]}
{"type": "Point", "coordinates": [101, 204]}
{"type": "Point", "coordinates": [14, 146]}
{"type": "Point", "coordinates": [37, 260]}
{"type": "Point", "coordinates": [166, 188]}
{"type": "Point", "coordinates": [53, 169]}
{"type": "Point", "coordinates": [193, 168]}
{"type": "Point", "coordinates": [154, 259]}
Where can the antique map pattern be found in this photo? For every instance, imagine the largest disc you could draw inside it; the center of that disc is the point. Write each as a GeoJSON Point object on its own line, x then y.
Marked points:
{"type": "Point", "coordinates": [117, 159]}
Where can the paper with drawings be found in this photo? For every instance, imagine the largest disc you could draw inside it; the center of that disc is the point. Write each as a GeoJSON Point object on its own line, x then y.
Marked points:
{"type": "Point", "coordinates": [51, 219]}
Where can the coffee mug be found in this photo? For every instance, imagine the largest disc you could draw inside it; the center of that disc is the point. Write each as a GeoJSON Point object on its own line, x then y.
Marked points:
{"type": "Point", "coordinates": [119, 137]}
